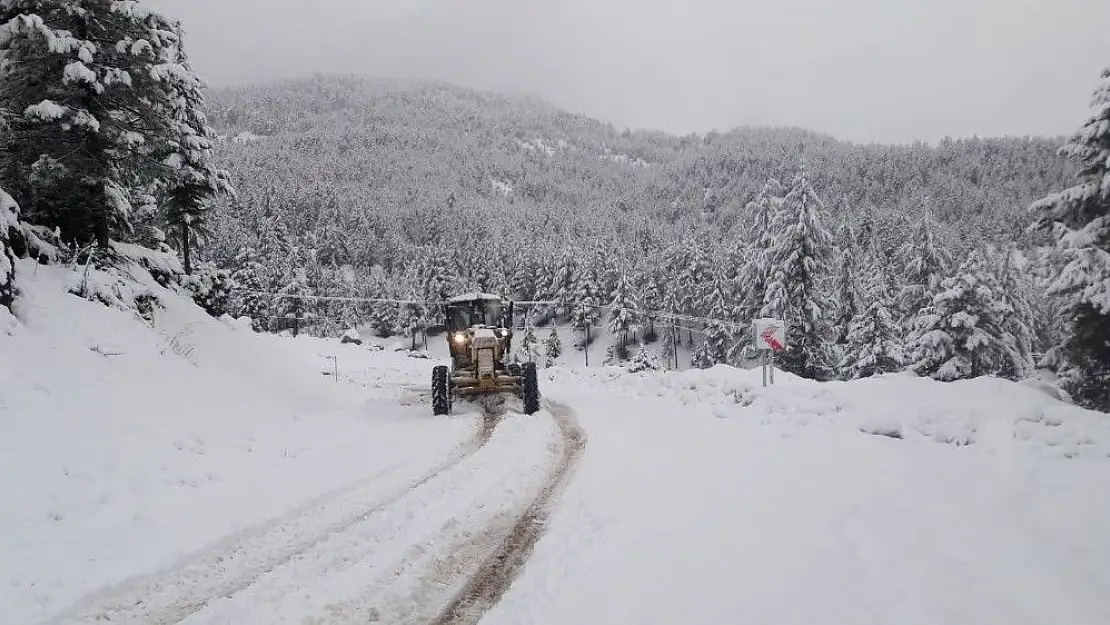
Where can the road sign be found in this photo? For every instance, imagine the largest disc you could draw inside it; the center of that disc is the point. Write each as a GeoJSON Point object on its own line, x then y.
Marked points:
{"type": "Point", "coordinates": [770, 334]}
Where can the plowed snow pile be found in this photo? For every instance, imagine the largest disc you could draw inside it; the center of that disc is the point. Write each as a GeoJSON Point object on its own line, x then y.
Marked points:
{"type": "Point", "coordinates": [705, 498]}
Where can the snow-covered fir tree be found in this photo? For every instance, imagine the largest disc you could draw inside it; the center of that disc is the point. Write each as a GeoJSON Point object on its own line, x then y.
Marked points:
{"type": "Point", "coordinates": [651, 288]}
{"type": "Point", "coordinates": [796, 292]}
{"type": "Point", "coordinates": [528, 343]}
{"type": "Point", "coordinates": [250, 300]}
{"type": "Point", "coordinates": [293, 307]}
{"type": "Point", "coordinates": [926, 263]}
{"type": "Point", "coordinates": [718, 336]}
{"type": "Point", "coordinates": [644, 360]}
{"type": "Point", "coordinates": [383, 319]}
{"type": "Point", "coordinates": [695, 278]}
{"type": "Point", "coordinates": [193, 179]}
{"type": "Point", "coordinates": [962, 333]}
{"type": "Point", "coordinates": [561, 287]}
{"type": "Point", "coordinates": [1016, 286]}
{"type": "Point", "coordinates": [9, 220]}
{"type": "Point", "coordinates": [552, 347]}
{"type": "Point", "coordinates": [764, 211]}
{"type": "Point", "coordinates": [584, 311]}
{"type": "Point", "coordinates": [412, 319]}
{"type": "Point", "coordinates": [103, 104]}
{"type": "Point", "coordinates": [846, 289]}
{"type": "Point", "coordinates": [1079, 217]}
{"type": "Point", "coordinates": [624, 314]}
{"type": "Point", "coordinates": [667, 347]}
{"type": "Point", "coordinates": [874, 343]}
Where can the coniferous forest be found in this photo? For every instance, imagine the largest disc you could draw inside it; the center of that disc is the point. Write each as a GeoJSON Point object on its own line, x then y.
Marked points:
{"type": "Point", "coordinates": [971, 257]}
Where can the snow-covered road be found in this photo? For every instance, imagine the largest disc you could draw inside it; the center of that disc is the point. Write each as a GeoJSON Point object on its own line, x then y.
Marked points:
{"type": "Point", "coordinates": [393, 548]}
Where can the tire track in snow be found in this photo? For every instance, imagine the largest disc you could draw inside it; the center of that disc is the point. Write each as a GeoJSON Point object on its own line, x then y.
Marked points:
{"type": "Point", "coordinates": [495, 575]}
{"type": "Point", "coordinates": [170, 596]}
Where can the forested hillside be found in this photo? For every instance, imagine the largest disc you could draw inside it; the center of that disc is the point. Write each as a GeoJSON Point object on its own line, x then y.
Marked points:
{"type": "Point", "coordinates": [355, 187]}
{"type": "Point", "coordinates": [385, 158]}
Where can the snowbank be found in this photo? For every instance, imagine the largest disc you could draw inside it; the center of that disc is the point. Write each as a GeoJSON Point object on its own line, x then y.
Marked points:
{"type": "Point", "coordinates": [128, 443]}
{"type": "Point", "coordinates": [705, 498]}
{"type": "Point", "coordinates": [990, 412]}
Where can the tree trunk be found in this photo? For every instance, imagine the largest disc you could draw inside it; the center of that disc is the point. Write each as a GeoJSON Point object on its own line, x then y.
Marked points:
{"type": "Point", "coordinates": [102, 230]}
{"type": "Point", "coordinates": [185, 249]}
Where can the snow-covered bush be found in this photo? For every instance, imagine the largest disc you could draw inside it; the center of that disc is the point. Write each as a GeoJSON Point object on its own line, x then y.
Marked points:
{"type": "Point", "coordinates": [210, 287]}
{"type": "Point", "coordinates": [109, 287]}
{"type": "Point", "coordinates": [39, 243]}
{"type": "Point", "coordinates": [644, 361]}
{"type": "Point", "coordinates": [163, 266]}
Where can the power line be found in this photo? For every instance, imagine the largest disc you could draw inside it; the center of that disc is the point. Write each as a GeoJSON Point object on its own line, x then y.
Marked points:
{"type": "Point", "coordinates": [656, 314]}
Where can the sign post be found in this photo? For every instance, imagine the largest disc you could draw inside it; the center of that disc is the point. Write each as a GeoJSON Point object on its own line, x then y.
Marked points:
{"type": "Point", "coordinates": [769, 336]}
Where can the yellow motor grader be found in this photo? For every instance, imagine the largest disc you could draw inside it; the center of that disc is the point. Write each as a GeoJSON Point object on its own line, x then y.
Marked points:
{"type": "Point", "coordinates": [480, 333]}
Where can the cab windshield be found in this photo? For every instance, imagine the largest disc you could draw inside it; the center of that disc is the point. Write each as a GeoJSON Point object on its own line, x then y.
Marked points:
{"type": "Point", "coordinates": [462, 315]}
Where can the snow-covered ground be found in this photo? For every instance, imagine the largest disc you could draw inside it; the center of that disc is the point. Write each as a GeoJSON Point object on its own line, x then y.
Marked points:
{"type": "Point", "coordinates": [193, 471]}
{"type": "Point", "coordinates": [705, 498]}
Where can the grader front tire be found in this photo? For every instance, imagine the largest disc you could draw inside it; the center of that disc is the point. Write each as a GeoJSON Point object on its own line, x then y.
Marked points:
{"type": "Point", "coordinates": [530, 388]}
{"type": "Point", "coordinates": [441, 390]}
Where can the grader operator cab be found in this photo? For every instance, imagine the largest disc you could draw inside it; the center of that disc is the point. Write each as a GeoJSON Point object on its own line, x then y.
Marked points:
{"type": "Point", "coordinates": [479, 334]}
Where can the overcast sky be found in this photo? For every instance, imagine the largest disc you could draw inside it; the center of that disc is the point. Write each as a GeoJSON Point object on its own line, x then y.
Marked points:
{"type": "Point", "coordinates": [865, 70]}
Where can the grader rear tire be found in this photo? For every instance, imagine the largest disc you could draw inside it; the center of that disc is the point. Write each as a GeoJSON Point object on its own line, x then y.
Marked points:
{"type": "Point", "coordinates": [530, 388]}
{"type": "Point", "coordinates": [441, 391]}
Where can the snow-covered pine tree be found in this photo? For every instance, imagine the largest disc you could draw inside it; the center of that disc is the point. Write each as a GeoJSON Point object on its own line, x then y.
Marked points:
{"type": "Point", "coordinates": [561, 287]}
{"type": "Point", "coordinates": [528, 342]}
{"type": "Point", "coordinates": [763, 210]}
{"type": "Point", "coordinates": [523, 271]}
{"type": "Point", "coordinates": [718, 336]}
{"type": "Point", "coordinates": [873, 344]}
{"type": "Point", "coordinates": [384, 319]}
{"type": "Point", "coordinates": [962, 333]}
{"type": "Point", "coordinates": [1016, 286]}
{"type": "Point", "coordinates": [651, 288]}
{"type": "Point", "coordinates": [412, 317]}
{"type": "Point", "coordinates": [667, 348]}
{"type": "Point", "coordinates": [624, 314]}
{"type": "Point", "coordinates": [193, 179]}
{"type": "Point", "coordinates": [584, 306]}
{"type": "Point", "coordinates": [696, 279]}
{"type": "Point", "coordinates": [100, 93]}
{"type": "Point", "coordinates": [753, 274]}
{"type": "Point", "coordinates": [248, 301]}
{"type": "Point", "coordinates": [643, 361]}
{"type": "Point", "coordinates": [926, 263]}
{"type": "Point", "coordinates": [293, 302]}
{"type": "Point", "coordinates": [275, 249]}
{"type": "Point", "coordinates": [552, 347]}
{"type": "Point", "coordinates": [846, 288]}
{"type": "Point", "coordinates": [1080, 219]}
{"type": "Point", "coordinates": [1050, 327]}
{"type": "Point", "coordinates": [9, 220]}
{"type": "Point", "coordinates": [798, 258]}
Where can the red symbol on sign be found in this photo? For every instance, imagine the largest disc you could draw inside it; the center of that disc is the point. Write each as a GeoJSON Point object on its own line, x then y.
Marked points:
{"type": "Point", "coordinates": [768, 336]}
